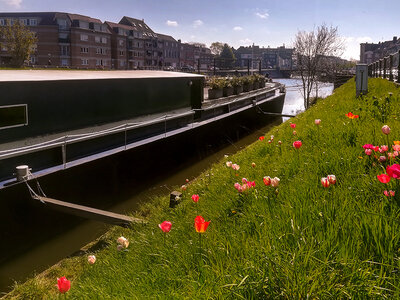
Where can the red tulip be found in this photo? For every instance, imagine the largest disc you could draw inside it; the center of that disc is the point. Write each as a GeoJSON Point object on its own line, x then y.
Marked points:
{"type": "Point", "coordinates": [267, 180]}
{"type": "Point", "coordinates": [200, 224]}
{"type": "Point", "coordinates": [297, 144]}
{"type": "Point", "coordinates": [393, 171]}
{"type": "Point", "coordinates": [292, 125]}
{"type": "Point", "coordinates": [195, 198]}
{"type": "Point", "coordinates": [384, 178]}
{"type": "Point", "coordinates": [325, 182]}
{"type": "Point", "coordinates": [165, 226]}
{"type": "Point", "coordinates": [261, 138]}
{"type": "Point", "coordinates": [351, 116]}
{"type": "Point", "coordinates": [63, 284]}
{"type": "Point", "coordinates": [332, 179]}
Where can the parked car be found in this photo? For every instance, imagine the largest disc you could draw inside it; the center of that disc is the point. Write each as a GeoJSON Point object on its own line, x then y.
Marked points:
{"type": "Point", "coordinates": [187, 69]}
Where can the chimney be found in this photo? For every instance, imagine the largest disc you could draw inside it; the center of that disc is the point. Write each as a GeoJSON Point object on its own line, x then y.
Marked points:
{"type": "Point", "coordinates": [394, 39]}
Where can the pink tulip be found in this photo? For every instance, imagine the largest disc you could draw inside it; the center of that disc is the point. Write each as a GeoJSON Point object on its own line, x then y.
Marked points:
{"type": "Point", "coordinates": [389, 193]}
{"type": "Point", "coordinates": [183, 187]}
{"type": "Point", "coordinates": [280, 142]}
{"type": "Point", "coordinates": [195, 198]}
{"type": "Point", "coordinates": [382, 158]}
{"type": "Point", "coordinates": [123, 242]}
{"type": "Point", "coordinates": [331, 179]}
{"type": "Point", "coordinates": [368, 146]}
{"type": "Point", "coordinates": [272, 137]}
{"type": "Point", "coordinates": [385, 129]}
{"type": "Point", "coordinates": [325, 182]}
{"type": "Point", "coordinates": [165, 226]}
{"type": "Point", "coordinates": [244, 180]}
{"type": "Point", "coordinates": [236, 167]}
{"type": "Point", "coordinates": [238, 186]}
{"type": "Point", "coordinates": [384, 148]}
{"type": "Point", "coordinates": [368, 152]}
{"type": "Point", "coordinates": [275, 181]}
{"type": "Point", "coordinates": [317, 121]}
{"type": "Point", "coordinates": [229, 164]}
{"type": "Point", "coordinates": [294, 132]}
{"type": "Point", "coordinates": [269, 141]}
{"type": "Point", "coordinates": [91, 259]}
{"type": "Point", "coordinates": [393, 171]}
{"type": "Point", "coordinates": [396, 147]}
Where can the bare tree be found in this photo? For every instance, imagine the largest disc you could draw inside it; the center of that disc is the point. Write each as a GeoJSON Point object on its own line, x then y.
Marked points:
{"type": "Point", "coordinates": [19, 42]}
{"type": "Point", "coordinates": [312, 49]}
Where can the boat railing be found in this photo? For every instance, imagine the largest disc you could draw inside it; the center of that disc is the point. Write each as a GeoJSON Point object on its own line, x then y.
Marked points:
{"type": "Point", "coordinates": [66, 140]}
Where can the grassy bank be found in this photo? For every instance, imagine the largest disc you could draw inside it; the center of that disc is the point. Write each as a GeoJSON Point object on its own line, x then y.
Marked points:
{"type": "Point", "coordinates": [298, 240]}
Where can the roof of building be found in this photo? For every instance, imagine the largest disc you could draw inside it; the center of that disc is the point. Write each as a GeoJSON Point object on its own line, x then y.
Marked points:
{"type": "Point", "coordinates": [84, 18]}
{"type": "Point", "coordinates": [139, 24]}
{"type": "Point", "coordinates": [166, 37]}
{"type": "Point", "coordinates": [47, 18]}
{"type": "Point", "coordinates": [53, 75]}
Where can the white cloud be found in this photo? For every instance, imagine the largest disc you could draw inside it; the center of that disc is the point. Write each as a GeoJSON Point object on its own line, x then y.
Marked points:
{"type": "Point", "coordinates": [197, 23]}
{"type": "Point", "coordinates": [12, 3]}
{"type": "Point", "coordinates": [245, 42]}
{"type": "Point", "coordinates": [237, 28]}
{"type": "Point", "coordinates": [264, 15]}
{"type": "Point", "coordinates": [172, 23]}
{"type": "Point", "coordinates": [363, 39]}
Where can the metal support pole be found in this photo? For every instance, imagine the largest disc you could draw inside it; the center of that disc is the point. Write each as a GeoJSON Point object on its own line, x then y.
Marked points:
{"type": "Point", "coordinates": [259, 67]}
{"type": "Point", "coordinates": [384, 68]}
{"type": "Point", "coordinates": [198, 66]}
{"type": "Point", "coordinates": [380, 68]}
{"type": "Point", "coordinates": [214, 66]}
{"type": "Point", "coordinates": [391, 67]}
{"type": "Point", "coordinates": [398, 67]}
{"type": "Point", "coordinates": [248, 67]}
{"type": "Point", "coordinates": [376, 69]}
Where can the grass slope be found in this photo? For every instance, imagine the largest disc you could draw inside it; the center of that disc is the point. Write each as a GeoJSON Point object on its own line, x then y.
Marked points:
{"type": "Point", "coordinates": [305, 241]}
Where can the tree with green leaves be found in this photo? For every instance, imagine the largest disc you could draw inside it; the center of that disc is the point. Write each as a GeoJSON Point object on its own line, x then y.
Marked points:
{"type": "Point", "coordinates": [216, 48]}
{"type": "Point", "coordinates": [19, 42]}
{"type": "Point", "coordinates": [227, 56]}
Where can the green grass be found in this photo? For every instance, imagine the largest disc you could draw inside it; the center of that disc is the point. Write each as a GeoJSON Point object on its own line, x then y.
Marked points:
{"type": "Point", "coordinates": [304, 242]}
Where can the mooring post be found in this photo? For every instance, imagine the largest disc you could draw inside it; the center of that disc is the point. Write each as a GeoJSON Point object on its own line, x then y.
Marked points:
{"type": "Point", "coordinates": [384, 68]}
{"type": "Point", "coordinates": [174, 199]}
{"type": "Point", "coordinates": [391, 66]}
{"type": "Point", "coordinates": [22, 172]}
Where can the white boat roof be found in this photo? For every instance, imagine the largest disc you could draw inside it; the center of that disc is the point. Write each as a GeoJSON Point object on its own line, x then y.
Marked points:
{"type": "Point", "coordinates": [50, 75]}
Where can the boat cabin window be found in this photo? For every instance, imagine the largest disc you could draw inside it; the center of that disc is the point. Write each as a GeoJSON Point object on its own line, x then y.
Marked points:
{"type": "Point", "coordinates": [13, 116]}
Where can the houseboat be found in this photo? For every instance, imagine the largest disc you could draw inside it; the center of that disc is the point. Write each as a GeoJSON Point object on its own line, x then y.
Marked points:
{"type": "Point", "coordinates": [56, 120]}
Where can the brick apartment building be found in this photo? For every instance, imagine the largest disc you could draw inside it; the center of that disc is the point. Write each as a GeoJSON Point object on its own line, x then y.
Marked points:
{"type": "Point", "coordinates": [64, 39]}
{"type": "Point", "coordinates": [77, 41]}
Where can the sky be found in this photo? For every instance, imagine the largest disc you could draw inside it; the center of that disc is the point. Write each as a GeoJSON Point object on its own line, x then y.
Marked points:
{"type": "Point", "coordinates": [240, 23]}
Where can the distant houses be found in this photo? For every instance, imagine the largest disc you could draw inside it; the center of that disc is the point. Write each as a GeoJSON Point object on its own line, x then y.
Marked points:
{"type": "Point", "coordinates": [77, 41]}
{"type": "Point", "coordinates": [370, 52]}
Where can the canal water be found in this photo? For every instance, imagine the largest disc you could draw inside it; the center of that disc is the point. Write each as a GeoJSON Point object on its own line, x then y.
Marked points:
{"type": "Point", "coordinates": [127, 195]}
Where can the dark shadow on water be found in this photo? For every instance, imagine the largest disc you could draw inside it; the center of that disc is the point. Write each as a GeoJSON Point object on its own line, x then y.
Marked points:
{"type": "Point", "coordinates": [34, 237]}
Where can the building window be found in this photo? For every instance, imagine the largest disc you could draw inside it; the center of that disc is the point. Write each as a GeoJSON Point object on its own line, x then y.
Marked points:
{"type": "Point", "coordinates": [84, 37]}
{"type": "Point", "coordinates": [84, 50]}
{"type": "Point", "coordinates": [121, 53]}
{"type": "Point", "coordinates": [85, 61]}
{"type": "Point", "coordinates": [33, 60]}
{"type": "Point", "coordinates": [104, 40]}
{"type": "Point", "coordinates": [64, 50]}
{"type": "Point", "coordinates": [97, 39]}
{"type": "Point", "coordinates": [62, 23]}
{"type": "Point", "coordinates": [24, 22]}
{"type": "Point", "coordinates": [99, 62]}
{"type": "Point", "coordinates": [121, 42]}
{"type": "Point", "coordinates": [13, 116]}
{"type": "Point", "coordinates": [122, 63]}
{"type": "Point", "coordinates": [64, 62]}
{"type": "Point", "coordinates": [33, 22]}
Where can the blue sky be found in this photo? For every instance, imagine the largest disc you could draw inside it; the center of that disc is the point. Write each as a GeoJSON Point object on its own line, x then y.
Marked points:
{"type": "Point", "coordinates": [263, 22]}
